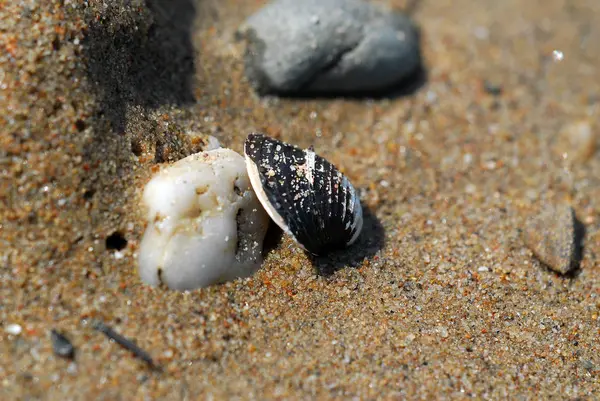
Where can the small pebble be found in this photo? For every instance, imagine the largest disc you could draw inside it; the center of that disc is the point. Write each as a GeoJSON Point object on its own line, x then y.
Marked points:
{"type": "Point", "coordinates": [470, 188]}
{"type": "Point", "coordinates": [576, 142]}
{"type": "Point", "coordinates": [552, 238]}
{"type": "Point", "coordinates": [61, 345]}
{"type": "Point", "coordinates": [443, 331]}
{"type": "Point", "coordinates": [587, 364]}
{"type": "Point", "coordinates": [409, 339]}
{"type": "Point", "coordinates": [13, 329]}
{"type": "Point", "coordinates": [328, 46]}
{"type": "Point", "coordinates": [72, 368]}
{"type": "Point", "coordinates": [492, 88]}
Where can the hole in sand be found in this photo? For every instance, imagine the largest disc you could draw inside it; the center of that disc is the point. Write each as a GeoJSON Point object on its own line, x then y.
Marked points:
{"type": "Point", "coordinates": [136, 148]}
{"type": "Point", "coordinates": [88, 194]}
{"type": "Point", "coordinates": [80, 125]}
{"type": "Point", "coordinates": [116, 241]}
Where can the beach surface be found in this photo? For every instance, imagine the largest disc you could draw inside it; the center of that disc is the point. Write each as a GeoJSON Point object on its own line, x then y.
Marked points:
{"type": "Point", "coordinates": [439, 299]}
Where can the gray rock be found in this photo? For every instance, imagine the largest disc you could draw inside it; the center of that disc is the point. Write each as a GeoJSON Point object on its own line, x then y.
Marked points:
{"type": "Point", "coordinates": [554, 237]}
{"type": "Point", "coordinates": [328, 46]}
{"type": "Point", "coordinates": [61, 345]}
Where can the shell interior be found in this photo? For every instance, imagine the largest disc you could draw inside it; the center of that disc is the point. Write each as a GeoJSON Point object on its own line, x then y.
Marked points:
{"type": "Point", "coordinates": [304, 194]}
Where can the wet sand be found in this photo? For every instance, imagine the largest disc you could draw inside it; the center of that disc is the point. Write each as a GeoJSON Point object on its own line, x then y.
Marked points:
{"type": "Point", "coordinates": [440, 298]}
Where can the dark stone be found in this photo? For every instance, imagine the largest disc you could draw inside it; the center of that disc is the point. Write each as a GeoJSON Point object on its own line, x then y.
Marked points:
{"type": "Point", "coordinates": [61, 345]}
{"type": "Point", "coordinates": [492, 88]}
{"type": "Point", "coordinates": [328, 46]}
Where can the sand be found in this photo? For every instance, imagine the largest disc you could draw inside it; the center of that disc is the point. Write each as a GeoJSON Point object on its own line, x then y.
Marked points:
{"type": "Point", "coordinates": [440, 298]}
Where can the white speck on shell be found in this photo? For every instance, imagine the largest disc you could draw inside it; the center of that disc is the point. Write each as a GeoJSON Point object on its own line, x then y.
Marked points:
{"type": "Point", "coordinates": [310, 166]}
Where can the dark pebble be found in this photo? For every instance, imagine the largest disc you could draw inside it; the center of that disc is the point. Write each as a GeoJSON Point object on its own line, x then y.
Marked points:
{"type": "Point", "coordinates": [328, 46]}
{"type": "Point", "coordinates": [492, 88]}
{"type": "Point", "coordinates": [61, 345]}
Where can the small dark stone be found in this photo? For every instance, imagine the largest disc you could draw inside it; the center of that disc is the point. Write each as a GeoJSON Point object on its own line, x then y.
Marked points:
{"type": "Point", "coordinates": [328, 46]}
{"type": "Point", "coordinates": [61, 345]}
{"type": "Point", "coordinates": [492, 88]}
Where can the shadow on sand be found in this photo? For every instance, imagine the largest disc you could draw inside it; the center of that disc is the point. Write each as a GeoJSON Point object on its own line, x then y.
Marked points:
{"type": "Point", "coordinates": [370, 241]}
{"type": "Point", "coordinates": [579, 239]}
{"type": "Point", "coordinates": [141, 57]}
{"type": "Point", "coordinates": [404, 88]}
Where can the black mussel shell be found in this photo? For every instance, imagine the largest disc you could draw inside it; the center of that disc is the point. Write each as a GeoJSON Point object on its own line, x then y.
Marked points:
{"type": "Point", "coordinates": [304, 194]}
